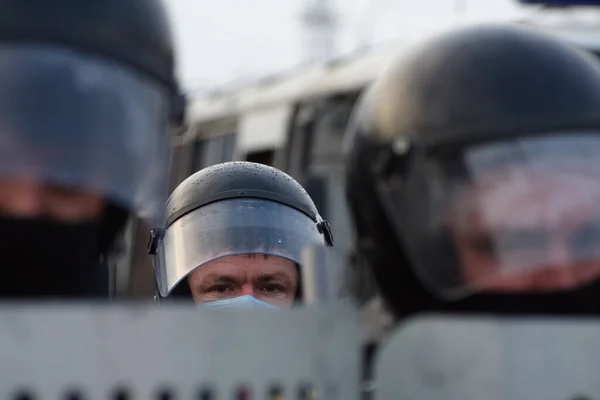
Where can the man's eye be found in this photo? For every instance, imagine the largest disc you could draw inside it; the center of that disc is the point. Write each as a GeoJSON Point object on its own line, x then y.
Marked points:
{"type": "Point", "coordinates": [220, 289]}
{"type": "Point", "coordinates": [274, 288]}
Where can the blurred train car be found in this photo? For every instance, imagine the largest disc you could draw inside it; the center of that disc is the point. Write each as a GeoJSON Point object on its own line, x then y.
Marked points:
{"type": "Point", "coordinates": [294, 122]}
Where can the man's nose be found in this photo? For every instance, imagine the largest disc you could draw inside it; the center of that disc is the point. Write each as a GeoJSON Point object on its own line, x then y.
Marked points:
{"type": "Point", "coordinates": [558, 271]}
{"type": "Point", "coordinates": [247, 289]}
{"type": "Point", "coordinates": [557, 278]}
{"type": "Point", "coordinates": [22, 197]}
{"type": "Point", "coordinates": [559, 254]}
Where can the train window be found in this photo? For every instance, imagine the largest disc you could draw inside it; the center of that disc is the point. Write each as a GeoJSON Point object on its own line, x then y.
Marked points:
{"type": "Point", "coordinates": [213, 150]}
{"type": "Point", "coordinates": [177, 164]}
{"type": "Point", "coordinates": [328, 132]}
{"type": "Point", "coordinates": [297, 144]}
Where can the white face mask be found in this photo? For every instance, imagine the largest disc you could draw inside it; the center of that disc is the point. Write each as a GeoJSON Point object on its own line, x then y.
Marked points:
{"type": "Point", "coordinates": [245, 301]}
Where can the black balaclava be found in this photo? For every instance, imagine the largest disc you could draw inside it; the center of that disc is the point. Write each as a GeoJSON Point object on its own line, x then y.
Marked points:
{"type": "Point", "coordinates": [50, 259]}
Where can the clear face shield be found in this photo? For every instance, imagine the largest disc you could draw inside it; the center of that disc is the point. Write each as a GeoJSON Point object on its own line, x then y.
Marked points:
{"type": "Point", "coordinates": [520, 215]}
{"type": "Point", "coordinates": [80, 123]}
{"type": "Point", "coordinates": [325, 275]}
{"type": "Point", "coordinates": [234, 227]}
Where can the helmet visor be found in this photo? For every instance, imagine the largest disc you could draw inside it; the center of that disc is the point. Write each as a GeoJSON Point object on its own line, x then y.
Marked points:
{"type": "Point", "coordinates": [231, 227]}
{"type": "Point", "coordinates": [515, 216]}
{"type": "Point", "coordinates": [83, 123]}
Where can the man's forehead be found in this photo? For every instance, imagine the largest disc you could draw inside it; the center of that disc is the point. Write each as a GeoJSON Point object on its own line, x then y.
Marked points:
{"type": "Point", "coordinates": [547, 150]}
{"type": "Point", "coordinates": [259, 252]}
{"type": "Point", "coordinates": [244, 275]}
{"type": "Point", "coordinates": [239, 267]}
{"type": "Point", "coordinates": [522, 198]}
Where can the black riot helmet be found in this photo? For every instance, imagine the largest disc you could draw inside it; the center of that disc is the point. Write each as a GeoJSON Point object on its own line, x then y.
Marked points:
{"type": "Point", "coordinates": [230, 209]}
{"type": "Point", "coordinates": [87, 97]}
{"type": "Point", "coordinates": [473, 175]}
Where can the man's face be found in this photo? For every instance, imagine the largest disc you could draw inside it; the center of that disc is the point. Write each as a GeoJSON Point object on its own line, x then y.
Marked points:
{"type": "Point", "coordinates": [268, 278]}
{"type": "Point", "coordinates": [29, 198]}
{"type": "Point", "coordinates": [529, 231]}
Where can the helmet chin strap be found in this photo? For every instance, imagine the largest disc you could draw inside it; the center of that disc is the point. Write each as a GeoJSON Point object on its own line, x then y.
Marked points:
{"type": "Point", "coordinates": [157, 297]}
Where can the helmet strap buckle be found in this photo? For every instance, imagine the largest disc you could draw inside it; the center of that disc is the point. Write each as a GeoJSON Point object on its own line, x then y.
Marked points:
{"type": "Point", "coordinates": [155, 235]}
{"type": "Point", "coordinates": [325, 229]}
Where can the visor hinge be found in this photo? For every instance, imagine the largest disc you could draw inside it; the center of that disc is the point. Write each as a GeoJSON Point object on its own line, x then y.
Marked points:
{"type": "Point", "coordinates": [325, 229]}
{"type": "Point", "coordinates": [155, 235]}
{"type": "Point", "coordinates": [392, 161]}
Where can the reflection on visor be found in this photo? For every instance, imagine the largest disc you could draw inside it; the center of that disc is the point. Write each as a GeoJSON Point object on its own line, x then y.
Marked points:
{"type": "Point", "coordinates": [232, 227]}
{"type": "Point", "coordinates": [322, 273]}
{"type": "Point", "coordinates": [83, 123]}
{"type": "Point", "coordinates": [526, 216]}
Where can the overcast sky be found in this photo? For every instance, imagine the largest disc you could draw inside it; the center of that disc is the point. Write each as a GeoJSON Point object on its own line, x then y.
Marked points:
{"type": "Point", "coordinates": [220, 41]}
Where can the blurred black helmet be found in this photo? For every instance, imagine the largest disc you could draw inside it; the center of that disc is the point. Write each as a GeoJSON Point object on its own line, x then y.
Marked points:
{"type": "Point", "coordinates": [89, 92]}
{"type": "Point", "coordinates": [87, 98]}
{"type": "Point", "coordinates": [445, 152]}
{"type": "Point", "coordinates": [229, 209]}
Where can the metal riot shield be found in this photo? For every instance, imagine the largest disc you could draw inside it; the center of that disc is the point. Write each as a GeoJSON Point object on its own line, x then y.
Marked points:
{"type": "Point", "coordinates": [463, 358]}
{"type": "Point", "coordinates": [145, 352]}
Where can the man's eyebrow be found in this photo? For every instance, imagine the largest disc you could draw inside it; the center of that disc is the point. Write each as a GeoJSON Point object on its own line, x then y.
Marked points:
{"type": "Point", "coordinates": [279, 276]}
{"type": "Point", "coordinates": [219, 279]}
